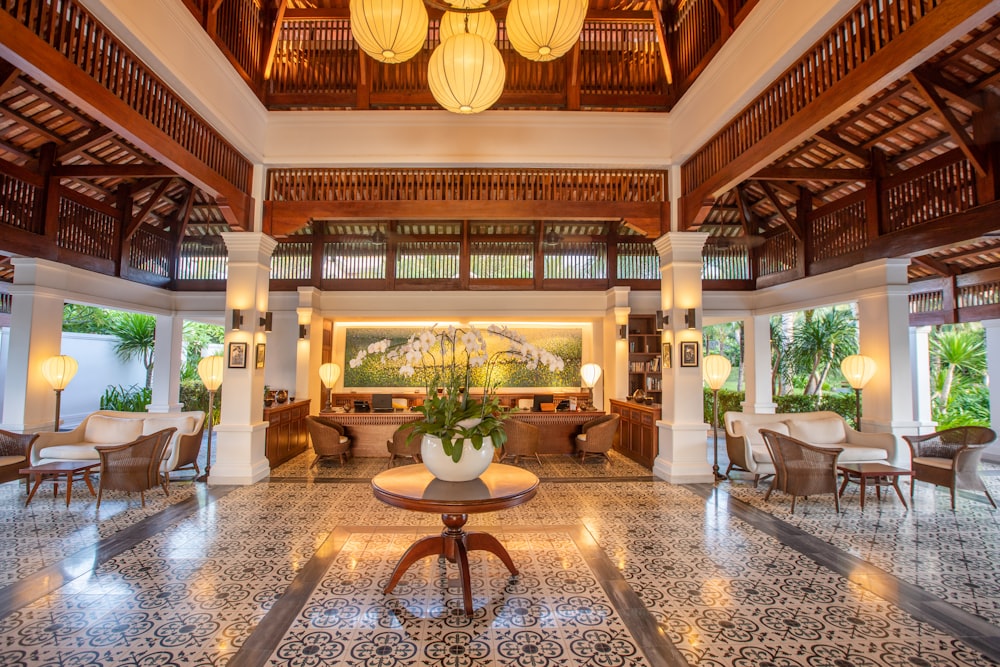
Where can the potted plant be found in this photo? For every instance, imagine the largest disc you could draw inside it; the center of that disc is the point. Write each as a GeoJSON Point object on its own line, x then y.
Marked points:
{"type": "Point", "coordinates": [457, 425]}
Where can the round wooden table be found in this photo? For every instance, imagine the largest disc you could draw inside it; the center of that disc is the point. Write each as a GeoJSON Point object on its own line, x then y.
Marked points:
{"type": "Point", "coordinates": [413, 487]}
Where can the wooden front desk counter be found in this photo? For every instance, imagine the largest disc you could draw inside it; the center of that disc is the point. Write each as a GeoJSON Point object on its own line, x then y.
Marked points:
{"type": "Point", "coordinates": [369, 431]}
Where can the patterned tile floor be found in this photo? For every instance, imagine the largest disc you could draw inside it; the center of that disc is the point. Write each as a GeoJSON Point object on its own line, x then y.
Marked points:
{"type": "Point", "coordinates": [617, 569]}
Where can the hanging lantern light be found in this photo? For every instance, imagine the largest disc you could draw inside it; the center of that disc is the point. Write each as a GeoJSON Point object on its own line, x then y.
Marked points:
{"type": "Point", "coordinates": [466, 74]}
{"type": "Point", "coordinates": [479, 23]}
{"type": "Point", "coordinates": [544, 30]}
{"type": "Point", "coordinates": [390, 31]}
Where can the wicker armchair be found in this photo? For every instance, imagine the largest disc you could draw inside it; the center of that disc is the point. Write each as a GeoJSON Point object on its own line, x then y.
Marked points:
{"type": "Point", "coordinates": [328, 439]}
{"type": "Point", "coordinates": [951, 458]}
{"type": "Point", "coordinates": [15, 448]}
{"type": "Point", "coordinates": [598, 436]}
{"type": "Point", "coordinates": [522, 440]}
{"type": "Point", "coordinates": [801, 469]}
{"type": "Point", "coordinates": [134, 466]}
{"type": "Point", "coordinates": [401, 447]}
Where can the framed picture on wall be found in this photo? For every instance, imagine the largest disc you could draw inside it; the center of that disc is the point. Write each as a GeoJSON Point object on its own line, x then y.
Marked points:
{"type": "Point", "coordinates": [689, 354]}
{"type": "Point", "coordinates": [238, 355]}
{"type": "Point", "coordinates": [667, 353]}
{"type": "Point", "coordinates": [260, 355]}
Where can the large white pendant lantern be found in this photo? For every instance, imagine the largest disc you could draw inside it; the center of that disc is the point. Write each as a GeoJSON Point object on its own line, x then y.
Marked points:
{"type": "Point", "coordinates": [390, 31]}
{"type": "Point", "coordinates": [466, 74]}
{"type": "Point", "coordinates": [479, 23]}
{"type": "Point", "coordinates": [543, 30]}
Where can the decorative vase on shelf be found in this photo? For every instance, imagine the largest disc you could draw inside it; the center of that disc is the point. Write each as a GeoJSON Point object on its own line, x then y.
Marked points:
{"type": "Point", "coordinates": [471, 465]}
{"type": "Point", "coordinates": [281, 396]}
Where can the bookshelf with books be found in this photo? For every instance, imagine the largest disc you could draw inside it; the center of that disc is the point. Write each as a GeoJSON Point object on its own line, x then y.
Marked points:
{"type": "Point", "coordinates": [644, 361]}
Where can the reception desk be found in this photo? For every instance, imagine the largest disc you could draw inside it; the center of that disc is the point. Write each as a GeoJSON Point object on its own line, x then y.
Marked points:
{"type": "Point", "coordinates": [369, 431]}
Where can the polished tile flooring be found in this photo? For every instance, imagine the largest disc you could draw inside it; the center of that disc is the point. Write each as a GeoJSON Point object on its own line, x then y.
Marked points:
{"type": "Point", "coordinates": [617, 568]}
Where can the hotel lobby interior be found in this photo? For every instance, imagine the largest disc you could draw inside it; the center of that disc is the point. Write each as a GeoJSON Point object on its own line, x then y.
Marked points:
{"type": "Point", "coordinates": [680, 164]}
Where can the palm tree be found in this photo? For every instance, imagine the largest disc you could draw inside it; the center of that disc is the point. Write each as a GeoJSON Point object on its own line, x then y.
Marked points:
{"type": "Point", "coordinates": [958, 353]}
{"type": "Point", "coordinates": [781, 367]}
{"type": "Point", "coordinates": [136, 334]}
{"type": "Point", "coordinates": [821, 341]}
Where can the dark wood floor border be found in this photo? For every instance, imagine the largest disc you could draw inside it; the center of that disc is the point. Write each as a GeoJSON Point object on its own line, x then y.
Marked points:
{"type": "Point", "coordinates": [544, 480]}
{"type": "Point", "coordinates": [265, 639]}
{"type": "Point", "coordinates": [82, 563]}
{"type": "Point", "coordinates": [954, 621]}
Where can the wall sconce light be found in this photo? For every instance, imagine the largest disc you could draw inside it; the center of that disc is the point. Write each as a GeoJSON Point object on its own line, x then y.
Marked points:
{"type": "Point", "coordinates": [691, 318]}
{"type": "Point", "coordinates": [303, 332]}
{"type": "Point", "coordinates": [622, 331]}
{"type": "Point", "coordinates": [662, 320]}
{"type": "Point", "coordinates": [266, 321]}
{"type": "Point", "coordinates": [237, 319]}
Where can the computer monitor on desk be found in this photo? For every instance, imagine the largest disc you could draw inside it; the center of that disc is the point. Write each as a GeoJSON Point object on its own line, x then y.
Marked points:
{"type": "Point", "coordinates": [382, 403]}
{"type": "Point", "coordinates": [536, 404]}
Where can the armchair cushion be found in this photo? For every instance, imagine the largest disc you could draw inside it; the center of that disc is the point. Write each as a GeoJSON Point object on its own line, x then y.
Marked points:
{"type": "Point", "coordinates": [103, 430]}
{"type": "Point", "coordinates": [184, 424]}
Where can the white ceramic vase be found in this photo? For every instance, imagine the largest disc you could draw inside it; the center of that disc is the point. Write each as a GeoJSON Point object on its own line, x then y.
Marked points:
{"type": "Point", "coordinates": [471, 465]}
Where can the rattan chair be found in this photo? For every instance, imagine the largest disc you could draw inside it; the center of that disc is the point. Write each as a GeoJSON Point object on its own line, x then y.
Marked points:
{"type": "Point", "coordinates": [134, 466]}
{"type": "Point", "coordinates": [597, 436]}
{"type": "Point", "coordinates": [801, 469]}
{"type": "Point", "coordinates": [15, 450]}
{"type": "Point", "coordinates": [522, 440]}
{"type": "Point", "coordinates": [950, 458]}
{"type": "Point", "coordinates": [402, 447]}
{"type": "Point", "coordinates": [328, 439]}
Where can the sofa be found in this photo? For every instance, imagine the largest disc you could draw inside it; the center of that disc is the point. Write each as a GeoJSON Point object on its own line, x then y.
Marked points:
{"type": "Point", "coordinates": [111, 427]}
{"type": "Point", "coordinates": [747, 450]}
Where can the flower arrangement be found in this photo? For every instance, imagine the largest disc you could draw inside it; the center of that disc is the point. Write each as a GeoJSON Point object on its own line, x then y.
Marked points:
{"type": "Point", "coordinates": [443, 358]}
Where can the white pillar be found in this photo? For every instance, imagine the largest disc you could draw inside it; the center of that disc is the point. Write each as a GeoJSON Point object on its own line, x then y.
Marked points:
{"type": "Point", "coordinates": [884, 335]}
{"type": "Point", "coordinates": [920, 366]}
{"type": "Point", "coordinates": [241, 431]}
{"type": "Point", "coordinates": [167, 359]}
{"type": "Point", "coordinates": [757, 365]}
{"type": "Point", "coordinates": [992, 328]}
{"type": "Point", "coordinates": [35, 335]}
{"type": "Point", "coordinates": [682, 455]}
{"type": "Point", "coordinates": [309, 351]}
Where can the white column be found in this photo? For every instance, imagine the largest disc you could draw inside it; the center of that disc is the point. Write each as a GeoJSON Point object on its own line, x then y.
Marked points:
{"type": "Point", "coordinates": [167, 358]}
{"type": "Point", "coordinates": [241, 431]}
{"type": "Point", "coordinates": [992, 328]}
{"type": "Point", "coordinates": [35, 335]}
{"type": "Point", "coordinates": [683, 443]}
{"type": "Point", "coordinates": [884, 335]}
{"type": "Point", "coordinates": [757, 365]}
{"type": "Point", "coordinates": [920, 365]}
{"type": "Point", "coordinates": [309, 351]}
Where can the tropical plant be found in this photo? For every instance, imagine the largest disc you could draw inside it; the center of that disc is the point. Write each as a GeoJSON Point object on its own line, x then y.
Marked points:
{"type": "Point", "coordinates": [85, 319]}
{"type": "Point", "coordinates": [444, 359]}
{"type": "Point", "coordinates": [136, 333]}
{"type": "Point", "coordinates": [197, 336]}
{"type": "Point", "coordinates": [820, 342]}
{"type": "Point", "coordinates": [126, 399]}
{"type": "Point", "coordinates": [958, 354]}
{"type": "Point", "coordinates": [782, 369]}
{"type": "Point", "coordinates": [727, 339]}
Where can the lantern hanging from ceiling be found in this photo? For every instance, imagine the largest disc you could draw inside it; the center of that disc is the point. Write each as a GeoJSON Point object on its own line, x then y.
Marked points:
{"type": "Point", "coordinates": [544, 30]}
{"type": "Point", "coordinates": [479, 23]}
{"type": "Point", "coordinates": [466, 74]}
{"type": "Point", "coordinates": [390, 31]}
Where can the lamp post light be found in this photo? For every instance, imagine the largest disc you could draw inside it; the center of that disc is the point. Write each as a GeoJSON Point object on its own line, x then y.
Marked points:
{"type": "Point", "coordinates": [590, 373]}
{"type": "Point", "coordinates": [716, 372]}
{"type": "Point", "coordinates": [58, 371]}
{"type": "Point", "coordinates": [329, 373]}
{"type": "Point", "coordinates": [858, 370]}
{"type": "Point", "coordinates": [210, 372]}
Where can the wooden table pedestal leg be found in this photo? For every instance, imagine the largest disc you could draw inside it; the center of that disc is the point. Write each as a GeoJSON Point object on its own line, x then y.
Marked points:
{"type": "Point", "coordinates": [454, 544]}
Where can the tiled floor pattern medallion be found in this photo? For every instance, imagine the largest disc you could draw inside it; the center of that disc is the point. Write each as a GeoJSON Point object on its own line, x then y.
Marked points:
{"type": "Point", "coordinates": [553, 613]}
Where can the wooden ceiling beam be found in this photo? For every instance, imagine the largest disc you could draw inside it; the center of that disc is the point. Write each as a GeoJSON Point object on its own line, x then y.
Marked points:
{"type": "Point", "coordinates": [275, 36]}
{"type": "Point", "coordinates": [136, 220]}
{"type": "Point", "coordinates": [112, 171]}
{"type": "Point", "coordinates": [93, 137]}
{"type": "Point", "coordinates": [782, 211]}
{"type": "Point", "coordinates": [9, 77]}
{"type": "Point", "coordinates": [950, 90]}
{"type": "Point", "coordinates": [934, 265]}
{"type": "Point", "coordinates": [810, 174]}
{"type": "Point", "coordinates": [955, 128]}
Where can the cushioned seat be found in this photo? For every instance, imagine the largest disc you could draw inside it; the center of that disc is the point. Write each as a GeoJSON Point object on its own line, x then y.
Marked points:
{"type": "Point", "coordinates": [402, 446]}
{"type": "Point", "coordinates": [597, 436]}
{"type": "Point", "coordinates": [328, 439]}
{"type": "Point", "coordinates": [522, 440]}
{"type": "Point", "coordinates": [950, 458]}
{"type": "Point", "coordinates": [15, 449]}
{"type": "Point", "coordinates": [801, 469]}
{"type": "Point", "coordinates": [134, 466]}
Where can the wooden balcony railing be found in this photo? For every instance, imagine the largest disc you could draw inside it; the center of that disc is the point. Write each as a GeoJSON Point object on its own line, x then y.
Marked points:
{"type": "Point", "coordinates": [936, 188]}
{"type": "Point", "coordinates": [865, 31]}
{"type": "Point", "coordinates": [70, 29]}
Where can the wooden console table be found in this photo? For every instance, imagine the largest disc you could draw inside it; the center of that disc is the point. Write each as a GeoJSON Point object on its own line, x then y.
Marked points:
{"type": "Point", "coordinates": [287, 435]}
{"type": "Point", "coordinates": [369, 431]}
{"type": "Point", "coordinates": [638, 438]}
